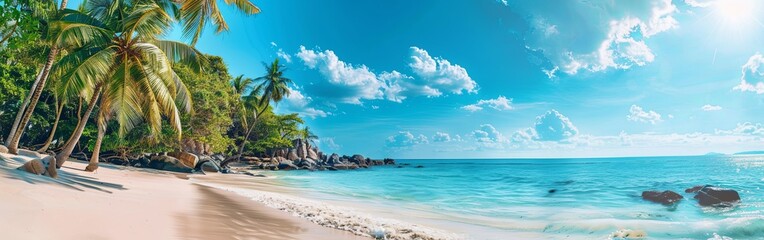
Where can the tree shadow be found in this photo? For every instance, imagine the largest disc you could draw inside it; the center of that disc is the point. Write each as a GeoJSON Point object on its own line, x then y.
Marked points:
{"type": "Point", "coordinates": [71, 180]}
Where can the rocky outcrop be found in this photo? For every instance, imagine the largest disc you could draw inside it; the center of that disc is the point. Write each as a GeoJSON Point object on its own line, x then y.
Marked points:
{"type": "Point", "coordinates": [196, 147]}
{"type": "Point", "coordinates": [187, 159]}
{"type": "Point", "coordinates": [713, 196]}
{"type": "Point", "coordinates": [301, 148]}
{"type": "Point", "coordinates": [292, 155]}
{"type": "Point", "coordinates": [666, 197]}
{"type": "Point", "coordinates": [333, 159]}
{"type": "Point", "coordinates": [209, 167]}
{"type": "Point", "coordinates": [312, 154]}
{"type": "Point", "coordinates": [389, 161]}
{"type": "Point", "coordinates": [168, 163]}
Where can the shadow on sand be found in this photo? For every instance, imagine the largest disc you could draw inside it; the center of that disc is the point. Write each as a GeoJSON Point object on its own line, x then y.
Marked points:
{"type": "Point", "coordinates": [69, 178]}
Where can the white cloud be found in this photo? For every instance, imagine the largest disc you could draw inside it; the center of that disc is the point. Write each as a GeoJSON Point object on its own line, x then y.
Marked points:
{"type": "Point", "coordinates": [281, 54]}
{"type": "Point", "coordinates": [698, 3]}
{"type": "Point", "coordinates": [298, 103]}
{"type": "Point", "coordinates": [350, 83]}
{"type": "Point", "coordinates": [441, 137]}
{"type": "Point", "coordinates": [609, 36]}
{"type": "Point", "coordinates": [440, 74]}
{"type": "Point", "coordinates": [501, 103]}
{"type": "Point", "coordinates": [709, 107]}
{"type": "Point", "coordinates": [637, 114]}
{"type": "Point", "coordinates": [329, 143]}
{"type": "Point", "coordinates": [405, 139]}
{"type": "Point", "coordinates": [551, 126]}
{"type": "Point", "coordinates": [746, 128]}
{"type": "Point", "coordinates": [488, 134]}
{"type": "Point", "coordinates": [751, 74]}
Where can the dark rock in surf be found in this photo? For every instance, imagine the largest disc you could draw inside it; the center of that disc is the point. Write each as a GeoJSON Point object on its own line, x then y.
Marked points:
{"type": "Point", "coordinates": [718, 197]}
{"type": "Point", "coordinates": [666, 197]}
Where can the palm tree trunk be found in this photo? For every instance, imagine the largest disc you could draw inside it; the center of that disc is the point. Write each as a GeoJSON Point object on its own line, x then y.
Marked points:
{"type": "Point", "coordinates": [249, 131]}
{"type": "Point", "coordinates": [23, 106]}
{"type": "Point", "coordinates": [72, 142]}
{"type": "Point", "coordinates": [59, 109]}
{"type": "Point", "coordinates": [13, 143]}
{"type": "Point", "coordinates": [93, 165]}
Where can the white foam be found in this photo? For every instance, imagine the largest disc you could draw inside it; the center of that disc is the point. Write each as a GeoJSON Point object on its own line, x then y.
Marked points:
{"type": "Point", "coordinates": [339, 217]}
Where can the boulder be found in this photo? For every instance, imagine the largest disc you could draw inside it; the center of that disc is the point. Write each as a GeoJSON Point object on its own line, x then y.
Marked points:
{"type": "Point", "coordinates": [187, 159]}
{"type": "Point", "coordinates": [301, 148]}
{"type": "Point", "coordinates": [209, 166]}
{"type": "Point", "coordinates": [3, 149]}
{"type": "Point", "coordinates": [389, 161]}
{"type": "Point", "coordinates": [345, 166]}
{"type": "Point", "coordinates": [666, 197]}
{"type": "Point", "coordinates": [312, 154]}
{"type": "Point", "coordinates": [359, 160]}
{"type": "Point", "coordinates": [29, 153]}
{"type": "Point", "coordinates": [292, 155]}
{"type": "Point", "coordinates": [307, 163]}
{"type": "Point", "coordinates": [713, 196]}
{"type": "Point", "coordinates": [377, 162]}
{"type": "Point", "coordinates": [695, 188]}
{"type": "Point", "coordinates": [333, 159]}
{"type": "Point", "coordinates": [169, 163]}
{"type": "Point", "coordinates": [251, 160]}
{"type": "Point", "coordinates": [287, 166]}
{"type": "Point", "coordinates": [45, 166]}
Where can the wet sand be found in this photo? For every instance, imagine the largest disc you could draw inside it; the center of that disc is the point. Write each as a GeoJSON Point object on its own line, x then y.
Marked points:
{"type": "Point", "coordinates": [130, 203]}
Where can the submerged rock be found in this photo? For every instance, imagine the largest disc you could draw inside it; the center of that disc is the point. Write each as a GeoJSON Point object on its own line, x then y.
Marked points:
{"type": "Point", "coordinates": [713, 196]}
{"type": "Point", "coordinates": [666, 197]}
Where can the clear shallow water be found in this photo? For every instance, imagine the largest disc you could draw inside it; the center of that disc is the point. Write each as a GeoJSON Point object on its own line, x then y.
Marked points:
{"type": "Point", "coordinates": [496, 199]}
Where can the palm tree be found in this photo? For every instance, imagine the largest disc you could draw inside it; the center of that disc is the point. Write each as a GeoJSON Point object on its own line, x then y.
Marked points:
{"type": "Point", "coordinates": [59, 108]}
{"type": "Point", "coordinates": [193, 14]}
{"type": "Point", "coordinates": [274, 87]}
{"type": "Point", "coordinates": [308, 136]}
{"type": "Point", "coordinates": [117, 55]}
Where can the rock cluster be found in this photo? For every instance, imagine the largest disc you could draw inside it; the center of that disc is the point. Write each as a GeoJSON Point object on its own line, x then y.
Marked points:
{"type": "Point", "coordinates": [707, 196]}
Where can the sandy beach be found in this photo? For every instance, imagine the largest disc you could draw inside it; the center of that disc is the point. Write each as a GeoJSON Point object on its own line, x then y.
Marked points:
{"type": "Point", "coordinates": [129, 203]}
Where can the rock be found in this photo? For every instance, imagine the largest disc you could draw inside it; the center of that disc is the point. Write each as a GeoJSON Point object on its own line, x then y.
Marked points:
{"type": "Point", "coordinates": [345, 166]}
{"type": "Point", "coordinates": [187, 159]}
{"type": "Point", "coordinates": [331, 168]}
{"type": "Point", "coordinates": [312, 154]}
{"type": "Point", "coordinates": [287, 166]}
{"type": "Point", "coordinates": [695, 189]}
{"type": "Point", "coordinates": [301, 148]}
{"type": "Point", "coordinates": [218, 157]}
{"type": "Point", "coordinates": [251, 160]}
{"type": "Point", "coordinates": [333, 159]}
{"type": "Point", "coordinates": [292, 155]}
{"type": "Point", "coordinates": [359, 160]}
{"type": "Point", "coordinates": [118, 161]}
{"type": "Point", "coordinates": [307, 163]}
{"type": "Point", "coordinates": [419, 166]}
{"type": "Point", "coordinates": [389, 161]}
{"type": "Point", "coordinates": [376, 162]}
{"type": "Point", "coordinates": [666, 197]}
{"type": "Point", "coordinates": [713, 196]}
{"type": "Point", "coordinates": [169, 163]}
{"type": "Point", "coordinates": [29, 153]}
{"type": "Point", "coordinates": [3, 149]}
{"type": "Point", "coordinates": [209, 166]}
{"type": "Point", "coordinates": [552, 191]}
{"type": "Point", "coordinates": [399, 166]}
{"type": "Point", "coordinates": [45, 166]}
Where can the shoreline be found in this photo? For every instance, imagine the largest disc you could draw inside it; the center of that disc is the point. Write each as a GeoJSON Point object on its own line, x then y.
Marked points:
{"type": "Point", "coordinates": [131, 203]}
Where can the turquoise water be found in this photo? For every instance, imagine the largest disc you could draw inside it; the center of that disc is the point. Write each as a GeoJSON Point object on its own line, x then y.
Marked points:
{"type": "Point", "coordinates": [510, 199]}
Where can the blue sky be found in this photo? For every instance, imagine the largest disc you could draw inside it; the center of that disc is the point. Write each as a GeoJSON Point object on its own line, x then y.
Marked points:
{"type": "Point", "coordinates": [498, 79]}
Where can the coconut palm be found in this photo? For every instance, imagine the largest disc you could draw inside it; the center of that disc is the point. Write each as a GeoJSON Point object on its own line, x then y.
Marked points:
{"type": "Point", "coordinates": [308, 136]}
{"type": "Point", "coordinates": [274, 87]}
{"type": "Point", "coordinates": [193, 14]}
{"type": "Point", "coordinates": [117, 55]}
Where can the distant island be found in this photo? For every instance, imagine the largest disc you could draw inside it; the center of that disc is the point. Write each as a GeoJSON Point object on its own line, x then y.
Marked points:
{"type": "Point", "coordinates": [758, 152]}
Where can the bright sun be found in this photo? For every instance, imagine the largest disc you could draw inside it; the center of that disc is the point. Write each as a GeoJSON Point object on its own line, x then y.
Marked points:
{"type": "Point", "coordinates": [735, 13]}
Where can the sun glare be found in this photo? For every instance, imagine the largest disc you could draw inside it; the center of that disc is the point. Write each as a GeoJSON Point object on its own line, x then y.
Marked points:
{"type": "Point", "coordinates": [736, 13]}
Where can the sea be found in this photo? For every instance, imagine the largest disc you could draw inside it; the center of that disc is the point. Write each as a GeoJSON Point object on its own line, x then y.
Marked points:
{"type": "Point", "coordinates": [581, 198]}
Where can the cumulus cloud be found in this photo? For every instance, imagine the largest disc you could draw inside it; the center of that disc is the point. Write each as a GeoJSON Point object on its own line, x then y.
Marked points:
{"type": "Point", "coordinates": [752, 75]}
{"type": "Point", "coordinates": [698, 3]}
{"type": "Point", "coordinates": [405, 139]}
{"type": "Point", "coordinates": [488, 134]}
{"type": "Point", "coordinates": [440, 74]}
{"type": "Point", "coordinates": [441, 137]}
{"type": "Point", "coordinates": [298, 103]}
{"type": "Point", "coordinates": [329, 143]}
{"type": "Point", "coordinates": [746, 128]}
{"type": "Point", "coordinates": [637, 114]}
{"type": "Point", "coordinates": [501, 103]}
{"type": "Point", "coordinates": [709, 107]}
{"type": "Point", "coordinates": [550, 126]}
{"type": "Point", "coordinates": [609, 36]}
{"type": "Point", "coordinates": [352, 83]}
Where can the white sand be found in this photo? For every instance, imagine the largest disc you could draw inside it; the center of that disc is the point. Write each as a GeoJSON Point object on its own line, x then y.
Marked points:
{"type": "Point", "coordinates": [129, 203]}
